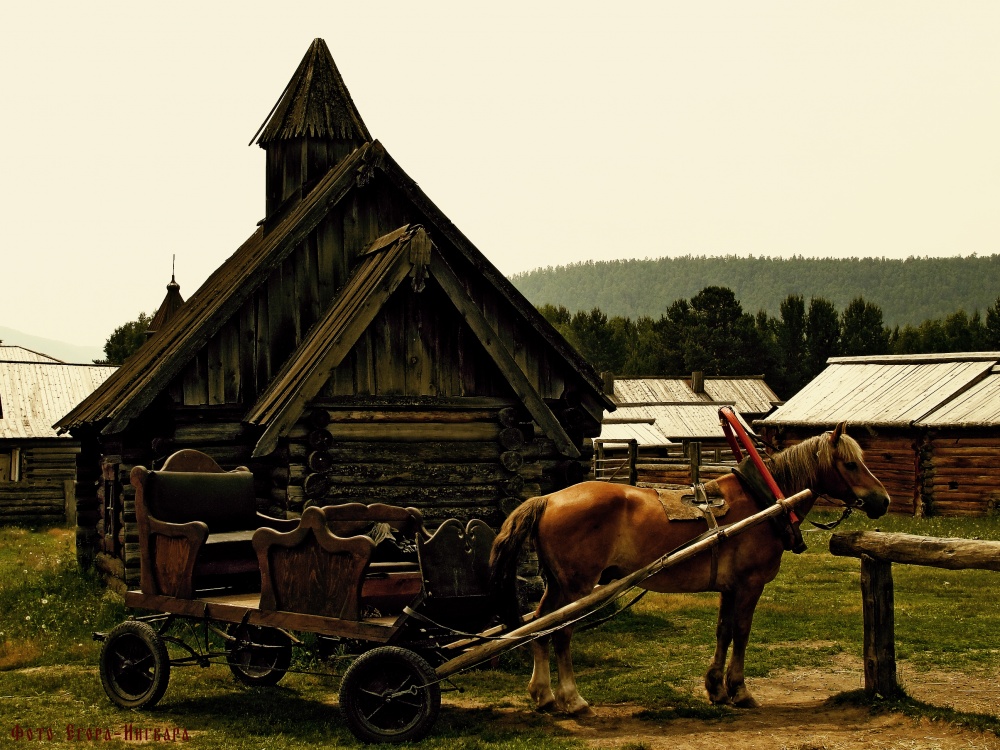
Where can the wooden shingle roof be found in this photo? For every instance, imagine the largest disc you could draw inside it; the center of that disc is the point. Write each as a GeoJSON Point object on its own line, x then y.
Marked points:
{"type": "Point", "coordinates": [149, 371]}
{"type": "Point", "coordinates": [315, 103]}
{"type": "Point", "coordinates": [14, 353]}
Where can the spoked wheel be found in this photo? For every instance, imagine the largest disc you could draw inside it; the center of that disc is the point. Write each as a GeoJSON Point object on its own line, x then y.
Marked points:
{"type": "Point", "coordinates": [390, 694]}
{"type": "Point", "coordinates": [135, 667]}
{"type": "Point", "coordinates": [259, 656]}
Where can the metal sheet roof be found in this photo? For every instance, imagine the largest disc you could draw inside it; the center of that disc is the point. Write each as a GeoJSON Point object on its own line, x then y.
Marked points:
{"type": "Point", "coordinates": [977, 407]}
{"type": "Point", "coordinates": [750, 394]}
{"type": "Point", "coordinates": [14, 353]}
{"type": "Point", "coordinates": [882, 391]}
{"type": "Point", "coordinates": [695, 421]}
{"type": "Point", "coordinates": [34, 395]}
{"type": "Point", "coordinates": [644, 433]}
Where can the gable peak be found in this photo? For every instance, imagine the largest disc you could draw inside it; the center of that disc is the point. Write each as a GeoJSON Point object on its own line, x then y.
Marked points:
{"type": "Point", "coordinates": [315, 103]}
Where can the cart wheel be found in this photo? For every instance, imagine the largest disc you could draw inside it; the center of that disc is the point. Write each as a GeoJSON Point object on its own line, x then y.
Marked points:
{"type": "Point", "coordinates": [260, 656]}
{"type": "Point", "coordinates": [135, 667]}
{"type": "Point", "coordinates": [390, 694]}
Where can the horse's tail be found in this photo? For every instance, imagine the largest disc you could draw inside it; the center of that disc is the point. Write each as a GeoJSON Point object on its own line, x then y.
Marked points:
{"type": "Point", "coordinates": [519, 527]}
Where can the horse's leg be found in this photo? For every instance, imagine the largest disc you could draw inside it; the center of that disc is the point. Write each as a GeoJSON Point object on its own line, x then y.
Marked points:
{"type": "Point", "coordinates": [746, 603]}
{"type": "Point", "coordinates": [715, 682]}
{"type": "Point", "coordinates": [567, 696]}
{"type": "Point", "coordinates": [540, 685]}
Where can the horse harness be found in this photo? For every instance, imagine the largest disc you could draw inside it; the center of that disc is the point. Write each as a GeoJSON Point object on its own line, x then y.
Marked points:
{"type": "Point", "coordinates": [688, 507]}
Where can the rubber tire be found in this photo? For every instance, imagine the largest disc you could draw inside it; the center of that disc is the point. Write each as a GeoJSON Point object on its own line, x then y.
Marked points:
{"type": "Point", "coordinates": [269, 666]}
{"type": "Point", "coordinates": [389, 668]}
{"type": "Point", "coordinates": [135, 667]}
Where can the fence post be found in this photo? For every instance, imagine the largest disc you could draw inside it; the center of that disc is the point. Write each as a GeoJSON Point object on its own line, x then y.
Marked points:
{"type": "Point", "coordinates": [879, 627]}
{"type": "Point", "coordinates": [694, 456]}
{"type": "Point", "coordinates": [633, 457]}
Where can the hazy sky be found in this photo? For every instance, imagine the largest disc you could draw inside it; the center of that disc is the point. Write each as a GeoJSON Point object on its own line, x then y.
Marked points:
{"type": "Point", "coordinates": [550, 133]}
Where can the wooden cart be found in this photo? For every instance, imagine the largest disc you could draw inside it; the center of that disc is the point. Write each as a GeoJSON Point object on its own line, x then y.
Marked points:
{"type": "Point", "coordinates": [409, 612]}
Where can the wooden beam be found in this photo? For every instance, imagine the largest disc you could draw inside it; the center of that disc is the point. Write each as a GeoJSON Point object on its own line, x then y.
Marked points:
{"type": "Point", "coordinates": [468, 309]}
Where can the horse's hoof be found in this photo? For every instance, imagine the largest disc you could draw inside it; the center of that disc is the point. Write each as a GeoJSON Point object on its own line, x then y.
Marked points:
{"type": "Point", "coordinates": [582, 712]}
{"type": "Point", "coordinates": [719, 700]}
{"type": "Point", "coordinates": [743, 699]}
{"type": "Point", "coordinates": [547, 707]}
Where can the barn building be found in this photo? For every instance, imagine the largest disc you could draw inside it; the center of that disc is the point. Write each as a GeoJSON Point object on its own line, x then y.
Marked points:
{"type": "Point", "coordinates": [929, 424]}
{"type": "Point", "coordinates": [357, 347]}
{"type": "Point", "coordinates": [37, 466]}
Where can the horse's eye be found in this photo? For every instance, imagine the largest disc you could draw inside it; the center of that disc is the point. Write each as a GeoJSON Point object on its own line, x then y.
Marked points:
{"type": "Point", "coordinates": [850, 466]}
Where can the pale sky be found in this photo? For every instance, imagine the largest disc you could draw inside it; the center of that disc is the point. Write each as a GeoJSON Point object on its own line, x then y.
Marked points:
{"type": "Point", "coordinates": [550, 133]}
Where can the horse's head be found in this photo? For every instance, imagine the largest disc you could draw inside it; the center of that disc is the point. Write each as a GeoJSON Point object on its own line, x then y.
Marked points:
{"type": "Point", "coordinates": [844, 476]}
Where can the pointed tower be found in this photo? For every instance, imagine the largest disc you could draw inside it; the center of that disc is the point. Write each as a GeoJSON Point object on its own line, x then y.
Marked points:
{"type": "Point", "coordinates": [170, 305]}
{"type": "Point", "coordinates": [313, 126]}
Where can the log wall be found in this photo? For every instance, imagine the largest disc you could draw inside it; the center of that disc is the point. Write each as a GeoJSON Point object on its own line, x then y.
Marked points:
{"type": "Point", "coordinates": [45, 492]}
{"type": "Point", "coordinates": [451, 458]}
{"type": "Point", "coordinates": [961, 473]}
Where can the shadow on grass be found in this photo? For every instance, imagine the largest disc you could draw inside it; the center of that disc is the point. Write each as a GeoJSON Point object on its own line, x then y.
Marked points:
{"type": "Point", "coordinates": [305, 721]}
{"type": "Point", "coordinates": [904, 704]}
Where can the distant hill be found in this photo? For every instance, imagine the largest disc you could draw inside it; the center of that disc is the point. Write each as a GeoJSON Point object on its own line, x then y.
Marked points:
{"type": "Point", "coordinates": [908, 291]}
{"type": "Point", "coordinates": [72, 353]}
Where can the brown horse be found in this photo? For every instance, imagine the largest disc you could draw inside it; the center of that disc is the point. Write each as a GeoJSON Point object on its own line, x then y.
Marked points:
{"type": "Point", "coordinates": [596, 531]}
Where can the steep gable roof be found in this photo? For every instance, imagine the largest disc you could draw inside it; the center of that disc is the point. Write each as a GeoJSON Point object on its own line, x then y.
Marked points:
{"type": "Point", "coordinates": [315, 103]}
{"type": "Point", "coordinates": [162, 358]}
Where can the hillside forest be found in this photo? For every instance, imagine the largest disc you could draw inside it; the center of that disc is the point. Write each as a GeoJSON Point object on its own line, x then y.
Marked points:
{"type": "Point", "coordinates": [712, 332]}
{"type": "Point", "coordinates": [909, 290]}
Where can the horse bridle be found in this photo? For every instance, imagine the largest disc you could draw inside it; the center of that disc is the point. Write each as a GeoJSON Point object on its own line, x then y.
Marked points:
{"type": "Point", "coordinates": [849, 507]}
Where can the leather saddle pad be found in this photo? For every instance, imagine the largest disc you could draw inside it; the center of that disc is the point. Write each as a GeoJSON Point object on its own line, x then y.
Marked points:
{"type": "Point", "coordinates": [679, 510]}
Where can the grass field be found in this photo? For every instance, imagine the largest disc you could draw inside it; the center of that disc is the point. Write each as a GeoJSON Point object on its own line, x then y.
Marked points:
{"type": "Point", "coordinates": [648, 656]}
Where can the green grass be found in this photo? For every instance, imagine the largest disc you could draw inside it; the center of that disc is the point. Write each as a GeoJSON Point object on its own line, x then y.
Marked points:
{"type": "Point", "coordinates": [650, 656]}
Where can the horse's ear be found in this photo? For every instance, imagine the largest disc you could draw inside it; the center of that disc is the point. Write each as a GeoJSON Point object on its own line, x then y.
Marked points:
{"type": "Point", "coordinates": [838, 431]}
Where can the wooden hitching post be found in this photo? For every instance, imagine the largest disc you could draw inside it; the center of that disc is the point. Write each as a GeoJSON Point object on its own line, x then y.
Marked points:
{"type": "Point", "coordinates": [879, 627]}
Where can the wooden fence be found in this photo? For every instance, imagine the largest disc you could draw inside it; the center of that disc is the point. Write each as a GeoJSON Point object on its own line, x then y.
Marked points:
{"type": "Point", "coordinates": [878, 551]}
{"type": "Point", "coordinates": [618, 460]}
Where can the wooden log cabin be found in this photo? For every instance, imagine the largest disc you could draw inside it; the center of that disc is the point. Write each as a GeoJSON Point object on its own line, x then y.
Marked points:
{"type": "Point", "coordinates": [357, 347]}
{"type": "Point", "coordinates": [37, 466]}
{"type": "Point", "coordinates": [929, 424]}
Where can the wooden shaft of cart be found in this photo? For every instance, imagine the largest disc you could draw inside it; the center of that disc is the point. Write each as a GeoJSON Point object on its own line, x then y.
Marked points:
{"type": "Point", "coordinates": [604, 594]}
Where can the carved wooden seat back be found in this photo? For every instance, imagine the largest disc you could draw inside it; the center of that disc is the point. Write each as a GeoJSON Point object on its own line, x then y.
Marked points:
{"type": "Point", "coordinates": [311, 570]}
{"type": "Point", "coordinates": [456, 562]}
{"type": "Point", "coordinates": [195, 522]}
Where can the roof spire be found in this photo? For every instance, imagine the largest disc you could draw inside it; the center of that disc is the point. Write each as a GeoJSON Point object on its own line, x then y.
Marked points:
{"type": "Point", "coordinates": [170, 305]}
{"type": "Point", "coordinates": [315, 103]}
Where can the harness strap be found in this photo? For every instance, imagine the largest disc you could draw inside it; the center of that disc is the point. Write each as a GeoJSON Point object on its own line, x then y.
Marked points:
{"type": "Point", "coordinates": [701, 503]}
{"type": "Point", "coordinates": [755, 485]}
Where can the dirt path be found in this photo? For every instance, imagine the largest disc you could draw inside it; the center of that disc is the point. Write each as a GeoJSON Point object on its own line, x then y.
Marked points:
{"type": "Point", "coordinates": [795, 716]}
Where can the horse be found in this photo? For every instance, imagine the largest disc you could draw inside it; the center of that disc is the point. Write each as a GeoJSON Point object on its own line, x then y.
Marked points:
{"type": "Point", "coordinates": [598, 531]}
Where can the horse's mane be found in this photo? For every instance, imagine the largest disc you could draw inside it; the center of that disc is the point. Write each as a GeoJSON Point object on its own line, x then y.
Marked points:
{"type": "Point", "coordinates": [797, 467]}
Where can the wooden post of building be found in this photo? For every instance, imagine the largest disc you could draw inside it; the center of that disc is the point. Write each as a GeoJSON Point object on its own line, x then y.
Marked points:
{"type": "Point", "coordinates": [698, 381]}
{"type": "Point", "coordinates": [694, 455]}
{"type": "Point", "coordinates": [879, 627]}
{"type": "Point", "coordinates": [633, 458]}
{"type": "Point", "coordinates": [69, 498]}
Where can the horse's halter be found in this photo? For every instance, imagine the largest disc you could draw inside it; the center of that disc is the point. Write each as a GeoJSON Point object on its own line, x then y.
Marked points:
{"type": "Point", "coordinates": [849, 506]}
